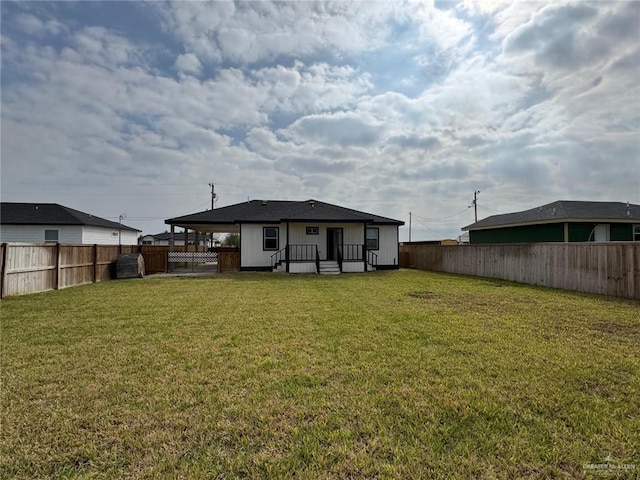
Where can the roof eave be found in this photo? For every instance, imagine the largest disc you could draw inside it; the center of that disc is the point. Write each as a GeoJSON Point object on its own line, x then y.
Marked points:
{"type": "Point", "coordinates": [552, 221]}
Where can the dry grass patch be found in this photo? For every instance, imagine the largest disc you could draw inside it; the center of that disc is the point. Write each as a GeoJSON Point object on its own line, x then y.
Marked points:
{"type": "Point", "coordinates": [393, 375]}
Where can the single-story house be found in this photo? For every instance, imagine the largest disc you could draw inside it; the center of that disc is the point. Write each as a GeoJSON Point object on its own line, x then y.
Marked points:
{"type": "Point", "coordinates": [302, 236]}
{"type": "Point", "coordinates": [561, 221]}
{"type": "Point", "coordinates": [50, 222]}
{"type": "Point", "coordinates": [162, 239]}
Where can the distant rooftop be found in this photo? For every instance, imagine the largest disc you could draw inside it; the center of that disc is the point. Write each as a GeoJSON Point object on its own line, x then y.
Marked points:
{"type": "Point", "coordinates": [563, 211]}
{"type": "Point", "coordinates": [51, 214]}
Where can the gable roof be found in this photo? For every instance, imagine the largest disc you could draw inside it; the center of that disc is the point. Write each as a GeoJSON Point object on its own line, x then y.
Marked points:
{"type": "Point", "coordinates": [51, 214]}
{"type": "Point", "coordinates": [276, 211]}
{"type": "Point", "coordinates": [564, 211]}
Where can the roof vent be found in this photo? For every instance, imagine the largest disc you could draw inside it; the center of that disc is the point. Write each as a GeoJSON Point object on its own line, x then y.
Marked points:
{"type": "Point", "coordinates": [264, 202]}
{"type": "Point", "coordinates": [628, 210]}
{"type": "Point", "coordinates": [554, 211]}
{"type": "Point", "coordinates": [312, 203]}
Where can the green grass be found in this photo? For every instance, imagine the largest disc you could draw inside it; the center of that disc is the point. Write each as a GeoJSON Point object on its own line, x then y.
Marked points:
{"type": "Point", "coordinates": [402, 374]}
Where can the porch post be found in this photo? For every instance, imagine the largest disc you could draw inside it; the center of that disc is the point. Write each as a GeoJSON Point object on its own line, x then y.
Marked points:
{"type": "Point", "coordinates": [286, 252]}
{"type": "Point", "coordinates": [172, 244]}
{"type": "Point", "coordinates": [364, 248]}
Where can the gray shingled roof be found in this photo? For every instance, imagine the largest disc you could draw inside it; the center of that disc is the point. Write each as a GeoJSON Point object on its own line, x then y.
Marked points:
{"type": "Point", "coordinates": [167, 235]}
{"type": "Point", "coordinates": [51, 214]}
{"type": "Point", "coordinates": [563, 211]}
{"type": "Point", "coordinates": [275, 211]}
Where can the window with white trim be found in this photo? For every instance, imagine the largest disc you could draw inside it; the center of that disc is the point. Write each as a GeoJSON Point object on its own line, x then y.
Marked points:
{"type": "Point", "coordinates": [270, 238]}
{"type": "Point", "coordinates": [51, 236]}
{"type": "Point", "coordinates": [636, 233]}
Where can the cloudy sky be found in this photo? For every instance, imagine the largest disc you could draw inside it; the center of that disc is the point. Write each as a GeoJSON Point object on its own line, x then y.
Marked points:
{"type": "Point", "coordinates": [386, 107]}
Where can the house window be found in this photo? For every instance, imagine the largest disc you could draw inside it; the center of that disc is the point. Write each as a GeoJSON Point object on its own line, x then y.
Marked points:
{"type": "Point", "coordinates": [51, 235]}
{"type": "Point", "coordinates": [270, 238]}
{"type": "Point", "coordinates": [313, 231]}
{"type": "Point", "coordinates": [636, 233]}
{"type": "Point", "coordinates": [372, 238]}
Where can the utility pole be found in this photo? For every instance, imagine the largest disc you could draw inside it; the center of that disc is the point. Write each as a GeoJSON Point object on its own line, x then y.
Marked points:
{"type": "Point", "coordinates": [213, 194]}
{"type": "Point", "coordinates": [122, 215]}
{"type": "Point", "coordinates": [475, 204]}
{"type": "Point", "coordinates": [409, 226]}
{"type": "Point", "coordinates": [213, 200]}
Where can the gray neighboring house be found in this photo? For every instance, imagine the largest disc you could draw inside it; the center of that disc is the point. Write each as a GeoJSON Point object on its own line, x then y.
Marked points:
{"type": "Point", "coordinates": [302, 236]}
{"type": "Point", "coordinates": [561, 221]}
{"type": "Point", "coordinates": [162, 239]}
{"type": "Point", "coordinates": [51, 222]}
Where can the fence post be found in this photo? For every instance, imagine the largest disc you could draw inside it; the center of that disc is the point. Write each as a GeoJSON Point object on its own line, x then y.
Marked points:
{"type": "Point", "coordinates": [57, 287]}
{"type": "Point", "coordinates": [3, 269]}
{"type": "Point", "coordinates": [95, 262]}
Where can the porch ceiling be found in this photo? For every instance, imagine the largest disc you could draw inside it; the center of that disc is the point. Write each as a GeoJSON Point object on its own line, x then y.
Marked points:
{"type": "Point", "coordinates": [210, 228]}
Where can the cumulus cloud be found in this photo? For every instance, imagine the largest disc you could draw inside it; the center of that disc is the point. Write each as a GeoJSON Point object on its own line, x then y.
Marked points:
{"type": "Point", "coordinates": [341, 129]}
{"type": "Point", "coordinates": [188, 63]}
{"type": "Point", "coordinates": [35, 26]}
{"type": "Point", "coordinates": [387, 107]}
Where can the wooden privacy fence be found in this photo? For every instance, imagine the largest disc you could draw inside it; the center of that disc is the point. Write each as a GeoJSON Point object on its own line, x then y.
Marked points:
{"type": "Point", "coordinates": [611, 268]}
{"type": "Point", "coordinates": [31, 268]}
{"type": "Point", "coordinates": [156, 257]}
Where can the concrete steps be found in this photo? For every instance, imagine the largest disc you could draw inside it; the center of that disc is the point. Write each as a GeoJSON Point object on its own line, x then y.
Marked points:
{"type": "Point", "coordinates": [329, 268]}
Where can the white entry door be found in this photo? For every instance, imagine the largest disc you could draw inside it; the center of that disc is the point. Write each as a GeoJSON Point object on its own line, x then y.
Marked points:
{"type": "Point", "coordinates": [601, 232]}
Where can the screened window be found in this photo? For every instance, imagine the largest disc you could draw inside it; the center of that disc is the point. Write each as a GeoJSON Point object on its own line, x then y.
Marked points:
{"type": "Point", "coordinates": [372, 238]}
{"type": "Point", "coordinates": [636, 233]}
{"type": "Point", "coordinates": [270, 240]}
{"type": "Point", "coordinates": [51, 235]}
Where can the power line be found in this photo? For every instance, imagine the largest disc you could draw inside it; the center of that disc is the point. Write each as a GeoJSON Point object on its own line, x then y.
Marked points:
{"type": "Point", "coordinates": [429, 229]}
{"type": "Point", "coordinates": [441, 218]}
{"type": "Point", "coordinates": [149, 219]}
{"type": "Point", "coordinates": [488, 209]}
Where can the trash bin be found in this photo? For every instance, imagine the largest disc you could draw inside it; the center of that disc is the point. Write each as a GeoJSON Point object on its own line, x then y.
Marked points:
{"type": "Point", "coordinates": [130, 265]}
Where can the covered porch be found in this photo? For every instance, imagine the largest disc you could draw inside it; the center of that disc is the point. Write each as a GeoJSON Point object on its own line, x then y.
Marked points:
{"type": "Point", "coordinates": [305, 258]}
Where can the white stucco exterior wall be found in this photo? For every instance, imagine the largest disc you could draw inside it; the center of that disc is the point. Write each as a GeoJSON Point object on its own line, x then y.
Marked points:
{"type": "Point", "coordinates": [388, 245]}
{"type": "Point", "coordinates": [253, 255]}
{"type": "Point", "coordinates": [108, 236]}
{"type": "Point", "coordinates": [251, 252]}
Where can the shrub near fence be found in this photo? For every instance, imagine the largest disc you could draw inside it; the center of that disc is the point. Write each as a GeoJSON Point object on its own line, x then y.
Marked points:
{"type": "Point", "coordinates": [611, 268]}
{"type": "Point", "coordinates": [31, 268]}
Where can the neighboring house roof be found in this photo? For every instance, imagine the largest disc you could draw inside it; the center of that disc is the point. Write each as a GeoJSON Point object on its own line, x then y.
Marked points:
{"type": "Point", "coordinates": [276, 211]}
{"type": "Point", "coordinates": [563, 211]}
{"type": "Point", "coordinates": [51, 214]}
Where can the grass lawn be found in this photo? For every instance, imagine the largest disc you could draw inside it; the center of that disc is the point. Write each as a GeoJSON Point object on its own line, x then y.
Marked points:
{"type": "Point", "coordinates": [403, 374]}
